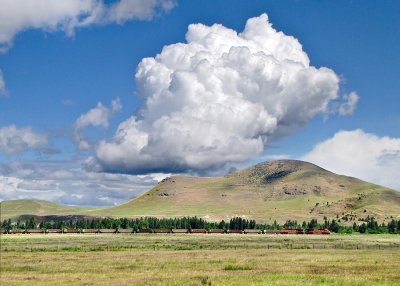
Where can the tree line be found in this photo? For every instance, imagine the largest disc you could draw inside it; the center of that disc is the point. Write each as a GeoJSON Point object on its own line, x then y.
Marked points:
{"type": "Point", "coordinates": [370, 225]}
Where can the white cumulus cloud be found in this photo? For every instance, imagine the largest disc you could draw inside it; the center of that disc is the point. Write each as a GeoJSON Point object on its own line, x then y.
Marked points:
{"type": "Point", "coordinates": [52, 15]}
{"type": "Point", "coordinates": [96, 117]}
{"type": "Point", "coordinates": [362, 155]}
{"type": "Point", "coordinates": [217, 99]}
{"type": "Point", "coordinates": [15, 140]}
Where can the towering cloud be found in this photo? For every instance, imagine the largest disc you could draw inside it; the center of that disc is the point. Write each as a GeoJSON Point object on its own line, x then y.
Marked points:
{"type": "Point", "coordinates": [362, 155]}
{"type": "Point", "coordinates": [51, 15]}
{"type": "Point", "coordinates": [217, 99]}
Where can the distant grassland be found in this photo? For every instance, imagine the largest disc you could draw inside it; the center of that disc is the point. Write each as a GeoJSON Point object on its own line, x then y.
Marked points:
{"type": "Point", "coordinates": [200, 260]}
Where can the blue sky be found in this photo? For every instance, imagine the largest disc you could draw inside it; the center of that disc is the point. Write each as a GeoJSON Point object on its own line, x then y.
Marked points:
{"type": "Point", "coordinates": [54, 71]}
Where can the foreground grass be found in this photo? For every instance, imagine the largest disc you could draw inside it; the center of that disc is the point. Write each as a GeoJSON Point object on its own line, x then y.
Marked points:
{"type": "Point", "coordinates": [198, 260]}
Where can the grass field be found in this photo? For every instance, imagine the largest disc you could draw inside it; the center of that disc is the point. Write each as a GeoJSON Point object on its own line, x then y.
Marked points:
{"type": "Point", "coordinates": [200, 260]}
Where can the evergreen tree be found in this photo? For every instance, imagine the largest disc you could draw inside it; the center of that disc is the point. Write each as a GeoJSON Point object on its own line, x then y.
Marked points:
{"type": "Point", "coordinates": [313, 224]}
{"type": "Point", "coordinates": [334, 226]}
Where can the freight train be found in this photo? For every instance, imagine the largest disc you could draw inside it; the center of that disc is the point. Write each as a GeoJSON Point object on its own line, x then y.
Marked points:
{"type": "Point", "coordinates": [164, 231]}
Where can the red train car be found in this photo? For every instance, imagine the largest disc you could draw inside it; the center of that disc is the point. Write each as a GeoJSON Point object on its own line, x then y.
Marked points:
{"type": "Point", "coordinates": [145, 230]}
{"type": "Point", "coordinates": [292, 231]}
{"type": "Point", "coordinates": [162, 230]}
{"type": "Point", "coordinates": [318, 231]}
{"type": "Point", "coordinates": [220, 231]}
{"type": "Point", "coordinates": [233, 231]}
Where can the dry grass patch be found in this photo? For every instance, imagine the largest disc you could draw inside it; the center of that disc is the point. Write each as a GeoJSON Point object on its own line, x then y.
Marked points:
{"type": "Point", "coordinates": [240, 267]}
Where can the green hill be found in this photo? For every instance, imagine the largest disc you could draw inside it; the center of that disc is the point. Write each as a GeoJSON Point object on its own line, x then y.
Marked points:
{"type": "Point", "coordinates": [277, 190]}
{"type": "Point", "coordinates": [16, 208]}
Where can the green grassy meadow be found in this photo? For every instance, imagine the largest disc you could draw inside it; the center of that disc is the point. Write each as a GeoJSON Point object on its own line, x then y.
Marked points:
{"type": "Point", "coordinates": [151, 259]}
{"type": "Point", "coordinates": [13, 209]}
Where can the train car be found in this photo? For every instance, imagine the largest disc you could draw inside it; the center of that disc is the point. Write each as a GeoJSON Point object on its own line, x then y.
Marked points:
{"type": "Point", "coordinates": [216, 231]}
{"type": "Point", "coordinates": [324, 231]}
{"type": "Point", "coordinates": [107, 230]}
{"type": "Point", "coordinates": [198, 230]}
{"type": "Point", "coordinates": [271, 231]}
{"type": "Point", "coordinates": [292, 231]}
{"type": "Point", "coordinates": [16, 231]}
{"type": "Point", "coordinates": [54, 230]}
{"type": "Point", "coordinates": [71, 230]}
{"type": "Point", "coordinates": [318, 231]}
{"type": "Point", "coordinates": [162, 230]}
{"type": "Point", "coordinates": [179, 230]}
{"type": "Point", "coordinates": [125, 230]}
{"type": "Point", "coordinates": [145, 230]}
{"type": "Point", "coordinates": [252, 231]}
{"type": "Point", "coordinates": [90, 230]}
{"type": "Point", "coordinates": [235, 231]}
{"type": "Point", "coordinates": [4, 231]}
{"type": "Point", "coordinates": [35, 231]}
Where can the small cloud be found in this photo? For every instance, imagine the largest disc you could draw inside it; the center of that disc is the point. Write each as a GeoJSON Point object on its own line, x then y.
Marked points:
{"type": "Point", "coordinates": [95, 117]}
{"type": "Point", "coordinates": [82, 143]}
{"type": "Point", "coordinates": [349, 104]}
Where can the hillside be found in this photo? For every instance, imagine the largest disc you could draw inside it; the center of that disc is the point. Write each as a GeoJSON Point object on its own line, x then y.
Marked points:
{"type": "Point", "coordinates": [277, 190]}
{"type": "Point", "coordinates": [15, 208]}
